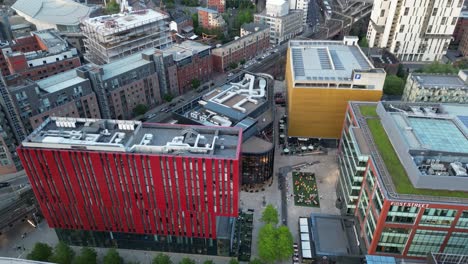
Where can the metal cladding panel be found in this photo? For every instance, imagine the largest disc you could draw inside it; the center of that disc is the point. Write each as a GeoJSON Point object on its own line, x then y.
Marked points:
{"type": "Point", "coordinates": [134, 193]}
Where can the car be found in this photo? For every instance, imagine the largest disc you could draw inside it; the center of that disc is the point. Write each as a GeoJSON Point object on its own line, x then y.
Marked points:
{"type": "Point", "coordinates": [230, 74]}
{"type": "Point", "coordinates": [275, 50]}
{"type": "Point", "coordinates": [172, 104]}
{"type": "Point", "coordinates": [150, 116]}
{"type": "Point", "coordinates": [4, 184]}
{"type": "Point", "coordinates": [163, 109]}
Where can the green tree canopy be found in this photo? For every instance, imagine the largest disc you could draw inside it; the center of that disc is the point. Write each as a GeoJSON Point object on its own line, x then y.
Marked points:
{"type": "Point", "coordinates": [270, 215]}
{"type": "Point", "coordinates": [208, 262]}
{"type": "Point", "coordinates": [162, 259]}
{"type": "Point", "coordinates": [168, 97]}
{"type": "Point", "coordinates": [393, 85]}
{"type": "Point", "coordinates": [255, 261]}
{"type": "Point", "coordinates": [112, 7]}
{"type": "Point", "coordinates": [437, 67]}
{"type": "Point", "coordinates": [112, 257]}
{"type": "Point", "coordinates": [195, 83]}
{"type": "Point", "coordinates": [275, 244]}
{"type": "Point", "coordinates": [233, 65]}
{"type": "Point", "coordinates": [63, 254]}
{"type": "Point", "coordinates": [233, 261]}
{"type": "Point", "coordinates": [40, 252]}
{"type": "Point", "coordinates": [363, 42]}
{"type": "Point", "coordinates": [140, 109]}
{"type": "Point", "coordinates": [87, 256]}
{"type": "Point", "coordinates": [187, 261]}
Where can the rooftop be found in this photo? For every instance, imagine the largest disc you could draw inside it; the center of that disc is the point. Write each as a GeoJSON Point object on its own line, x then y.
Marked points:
{"type": "Point", "coordinates": [319, 60]}
{"type": "Point", "coordinates": [112, 24]}
{"type": "Point", "coordinates": [451, 81]}
{"type": "Point", "coordinates": [52, 40]}
{"type": "Point", "coordinates": [185, 49]}
{"type": "Point", "coordinates": [252, 27]}
{"type": "Point", "coordinates": [405, 164]}
{"type": "Point", "coordinates": [59, 12]}
{"type": "Point", "coordinates": [207, 10]}
{"type": "Point", "coordinates": [60, 81]}
{"type": "Point", "coordinates": [135, 137]}
{"type": "Point", "coordinates": [125, 64]}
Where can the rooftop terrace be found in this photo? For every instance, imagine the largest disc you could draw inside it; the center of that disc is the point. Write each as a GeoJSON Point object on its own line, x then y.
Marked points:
{"type": "Point", "coordinates": [318, 60]}
{"type": "Point", "coordinates": [135, 137]}
{"type": "Point", "coordinates": [393, 175]}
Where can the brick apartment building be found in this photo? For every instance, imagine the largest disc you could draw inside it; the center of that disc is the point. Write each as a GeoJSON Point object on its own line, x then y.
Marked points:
{"type": "Point", "coordinates": [127, 184]}
{"type": "Point", "coordinates": [38, 56]}
{"type": "Point", "coordinates": [210, 19]}
{"type": "Point", "coordinates": [219, 5]}
{"type": "Point", "coordinates": [254, 40]}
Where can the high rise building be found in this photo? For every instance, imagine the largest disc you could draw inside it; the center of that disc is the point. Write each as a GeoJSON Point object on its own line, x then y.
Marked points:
{"type": "Point", "coordinates": [414, 30]}
{"type": "Point", "coordinates": [127, 184]}
{"type": "Point", "coordinates": [282, 28]}
{"type": "Point", "coordinates": [321, 77]}
{"type": "Point", "coordinates": [437, 88]}
{"type": "Point", "coordinates": [109, 38]}
{"type": "Point", "coordinates": [403, 175]}
{"type": "Point", "coordinates": [301, 5]}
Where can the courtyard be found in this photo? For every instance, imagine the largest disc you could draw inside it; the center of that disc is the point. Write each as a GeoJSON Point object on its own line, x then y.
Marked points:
{"type": "Point", "coordinates": [305, 189]}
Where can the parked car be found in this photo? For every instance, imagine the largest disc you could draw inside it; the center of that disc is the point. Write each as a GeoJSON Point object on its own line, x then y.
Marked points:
{"type": "Point", "coordinates": [4, 184]}
{"type": "Point", "coordinates": [230, 74]}
{"type": "Point", "coordinates": [150, 116]}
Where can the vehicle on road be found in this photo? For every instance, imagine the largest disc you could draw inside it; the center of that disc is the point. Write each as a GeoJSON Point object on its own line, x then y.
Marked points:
{"type": "Point", "coordinates": [4, 184]}
{"type": "Point", "coordinates": [172, 104]}
{"type": "Point", "coordinates": [150, 116]}
{"type": "Point", "coordinates": [230, 74]}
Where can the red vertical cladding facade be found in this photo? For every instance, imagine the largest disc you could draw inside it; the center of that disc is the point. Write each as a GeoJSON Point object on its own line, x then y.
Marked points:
{"type": "Point", "coordinates": [133, 192]}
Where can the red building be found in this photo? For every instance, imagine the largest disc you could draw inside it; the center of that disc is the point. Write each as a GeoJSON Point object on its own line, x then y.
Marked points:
{"type": "Point", "coordinates": [219, 5]}
{"type": "Point", "coordinates": [408, 199]}
{"type": "Point", "coordinates": [136, 185]}
{"type": "Point", "coordinates": [38, 56]}
{"type": "Point", "coordinates": [210, 19]}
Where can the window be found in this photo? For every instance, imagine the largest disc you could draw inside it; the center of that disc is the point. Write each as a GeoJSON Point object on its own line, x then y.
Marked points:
{"type": "Point", "coordinates": [454, 21]}
{"type": "Point", "coordinates": [402, 28]}
{"type": "Point", "coordinates": [429, 29]}
{"type": "Point", "coordinates": [460, 3]}
{"type": "Point", "coordinates": [449, 3]}
{"type": "Point", "coordinates": [434, 11]}
{"type": "Point", "coordinates": [444, 20]}
{"type": "Point", "coordinates": [382, 12]}
{"type": "Point", "coordinates": [406, 11]}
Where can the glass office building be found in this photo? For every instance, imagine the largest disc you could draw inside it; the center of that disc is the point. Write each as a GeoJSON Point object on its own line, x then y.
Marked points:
{"type": "Point", "coordinates": [405, 181]}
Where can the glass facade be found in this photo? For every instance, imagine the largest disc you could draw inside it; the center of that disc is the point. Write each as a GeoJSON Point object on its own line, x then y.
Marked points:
{"type": "Point", "coordinates": [257, 168]}
{"type": "Point", "coordinates": [393, 240]}
{"type": "Point", "coordinates": [425, 241]}
{"type": "Point", "coordinates": [402, 214]}
{"type": "Point", "coordinates": [352, 166]}
{"type": "Point", "coordinates": [437, 217]}
{"type": "Point", "coordinates": [457, 244]}
{"type": "Point", "coordinates": [463, 220]}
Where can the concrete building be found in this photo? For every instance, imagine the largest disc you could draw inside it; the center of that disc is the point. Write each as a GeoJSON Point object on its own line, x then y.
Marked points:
{"type": "Point", "coordinates": [321, 77]}
{"type": "Point", "coordinates": [247, 104]}
{"type": "Point", "coordinates": [300, 5]}
{"type": "Point", "coordinates": [133, 185]}
{"type": "Point", "coordinates": [414, 30]}
{"type": "Point", "coordinates": [40, 55]}
{"type": "Point", "coordinates": [109, 38]}
{"type": "Point", "coordinates": [192, 60]}
{"type": "Point", "coordinates": [62, 15]}
{"type": "Point", "coordinates": [403, 175]}
{"type": "Point", "coordinates": [65, 94]}
{"type": "Point", "coordinates": [210, 19]}
{"type": "Point", "coordinates": [282, 28]}
{"type": "Point", "coordinates": [218, 5]}
{"type": "Point", "coordinates": [254, 40]}
{"type": "Point", "coordinates": [181, 23]}
{"type": "Point", "coordinates": [437, 88]}
{"type": "Point", "coordinates": [276, 8]}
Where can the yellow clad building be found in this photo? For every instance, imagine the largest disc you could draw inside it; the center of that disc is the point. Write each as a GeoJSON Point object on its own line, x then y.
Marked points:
{"type": "Point", "coordinates": [321, 77]}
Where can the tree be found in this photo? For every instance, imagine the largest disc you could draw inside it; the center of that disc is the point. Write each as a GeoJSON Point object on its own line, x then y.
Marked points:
{"type": "Point", "coordinates": [233, 261]}
{"type": "Point", "coordinates": [208, 262]}
{"type": "Point", "coordinates": [140, 109]}
{"type": "Point", "coordinates": [168, 97]}
{"type": "Point", "coordinates": [266, 243]}
{"type": "Point", "coordinates": [393, 85]}
{"type": "Point", "coordinates": [112, 257]}
{"type": "Point", "coordinates": [233, 65]}
{"type": "Point", "coordinates": [63, 254]}
{"type": "Point", "coordinates": [87, 256]}
{"type": "Point", "coordinates": [132, 262]}
{"type": "Point", "coordinates": [363, 42]}
{"type": "Point", "coordinates": [195, 83]}
{"type": "Point", "coordinates": [256, 261]}
{"type": "Point", "coordinates": [437, 67]}
{"type": "Point", "coordinates": [401, 72]}
{"type": "Point", "coordinates": [187, 261]}
{"type": "Point", "coordinates": [112, 7]}
{"type": "Point", "coordinates": [270, 215]}
{"type": "Point", "coordinates": [162, 259]}
{"type": "Point", "coordinates": [284, 243]}
{"type": "Point", "coordinates": [242, 62]}
{"type": "Point", "coordinates": [275, 244]}
{"type": "Point", "coordinates": [40, 252]}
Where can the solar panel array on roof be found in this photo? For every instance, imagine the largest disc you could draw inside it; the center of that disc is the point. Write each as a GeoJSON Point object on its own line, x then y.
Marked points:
{"type": "Point", "coordinates": [336, 60]}
{"type": "Point", "coordinates": [360, 59]}
{"type": "Point", "coordinates": [298, 62]}
{"type": "Point", "coordinates": [324, 59]}
{"type": "Point", "coordinates": [464, 120]}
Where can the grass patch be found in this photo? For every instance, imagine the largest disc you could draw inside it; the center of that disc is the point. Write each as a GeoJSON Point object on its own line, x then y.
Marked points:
{"type": "Point", "coordinates": [402, 183]}
{"type": "Point", "coordinates": [305, 189]}
{"type": "Point", "coordinates": [368, 110]}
